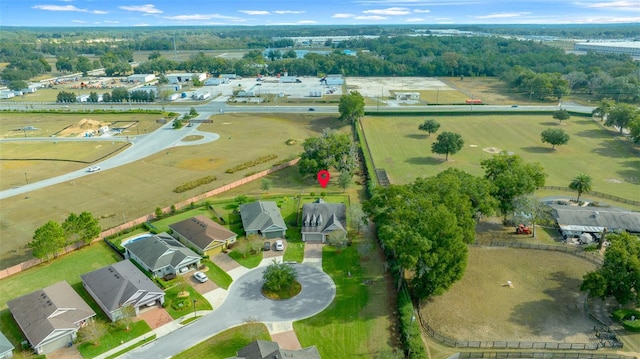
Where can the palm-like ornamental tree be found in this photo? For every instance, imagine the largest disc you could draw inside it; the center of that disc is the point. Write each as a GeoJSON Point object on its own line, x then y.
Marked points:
{"type": "Point", "coordinates": [581, 183]}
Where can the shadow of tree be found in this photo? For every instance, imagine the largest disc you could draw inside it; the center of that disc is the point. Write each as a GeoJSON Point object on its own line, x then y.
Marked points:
{"type": "Point", "coordinates": [538, 149]}
{"type": "Point", "coordinates": [596, 133]}
{"type": "Point", "coordinates": [425, 161]}
{"type": "Point", "coordinates": [417, 136]}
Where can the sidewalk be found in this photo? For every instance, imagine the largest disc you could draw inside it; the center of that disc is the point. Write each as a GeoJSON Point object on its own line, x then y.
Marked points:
{"type": "Point", "coordinates": [281, 332]}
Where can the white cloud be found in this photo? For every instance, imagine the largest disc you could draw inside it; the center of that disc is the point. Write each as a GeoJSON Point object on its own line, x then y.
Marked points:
{"type": "Point", "coordinates": [342, 16]}
{"type": "Point", "coordinates": [281, 12]}
{"type": "Point", "coordinates": [502, 15]}
{"type": "Point", "coordinates": [111, 22]}
{"type": "Point", "coordinates": [306, 22]}
{"type": "Point", "coordinates": [392, 11]}
{"type": "Point", "coordinates": [79, 21]}
{"type": "Point", "coordinates": [141, 24]}
{"type": "Point", "coordinates": [192, 17]}
{"type": "Point", "coordinates": [147, 9]}
{"type": "Point", "coordinates": [255, 12]}
{"type": "Point", "coordinates": [622, 5]}
{"type": "Point", "coordinates": [67, 8]}
{"type": "Point", "coordinates": [372, 17]}
{"type": "Point", "coordinates": [415, 19]}
{"type": "Point", "coordinates": [418, 11]}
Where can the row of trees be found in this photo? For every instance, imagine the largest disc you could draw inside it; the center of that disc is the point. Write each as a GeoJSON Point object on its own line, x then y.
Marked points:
{"type": "Point", "coordinates": [620, 115]}
{"type": "Point", "coordinates": [118, 94]}
{"type": "Point", "coordinates": [52, 237]}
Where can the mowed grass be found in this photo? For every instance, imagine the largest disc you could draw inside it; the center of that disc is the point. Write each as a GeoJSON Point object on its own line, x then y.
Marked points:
{"type": "Point", "coordinates": [136, 189]}
{"type": "Point", "coordinates": [405, 152]}
{"type": "Point", "coordinates": [227, 343]}
{"type": "Point", "coordinates": [545, 303]}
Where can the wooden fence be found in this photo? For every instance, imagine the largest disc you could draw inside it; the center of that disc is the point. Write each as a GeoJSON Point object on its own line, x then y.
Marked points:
{"type": "Point", "coordinates": [138, 221]}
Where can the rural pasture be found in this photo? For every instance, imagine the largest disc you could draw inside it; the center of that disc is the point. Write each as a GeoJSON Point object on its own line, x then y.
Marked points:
{"type": "Point", "coordinates": [136, 189]}
{"type": "Point", "coordinates": [544, 304]}
{"type": "Point", "coordinates": [405, 152]}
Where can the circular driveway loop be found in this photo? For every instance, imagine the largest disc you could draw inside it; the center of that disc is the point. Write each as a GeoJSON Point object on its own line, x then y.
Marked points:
{"type": "Point", "coordinates": [246, 300]}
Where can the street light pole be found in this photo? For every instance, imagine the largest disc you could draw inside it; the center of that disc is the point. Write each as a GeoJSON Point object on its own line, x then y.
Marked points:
{"type": "Point", "coordinates": [194, 308]}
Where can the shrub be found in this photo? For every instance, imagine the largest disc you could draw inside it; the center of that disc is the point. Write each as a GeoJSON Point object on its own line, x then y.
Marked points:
{"type": "Point", "coordinates": [257, 161]}
{"type": "Point", "coordinates": [625, 316]}
{"type": "Point", "coordinates": [410, 327]}
{"type": "Point", "coordinates": [193, 184]}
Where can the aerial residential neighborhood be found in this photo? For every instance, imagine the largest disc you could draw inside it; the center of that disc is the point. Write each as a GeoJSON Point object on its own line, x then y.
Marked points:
{"type": "Point", "coordinates": [339, 180]}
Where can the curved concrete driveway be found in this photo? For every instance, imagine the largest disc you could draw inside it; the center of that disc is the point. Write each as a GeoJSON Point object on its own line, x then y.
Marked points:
{"type": "Point", "coordinates": [244, 303]}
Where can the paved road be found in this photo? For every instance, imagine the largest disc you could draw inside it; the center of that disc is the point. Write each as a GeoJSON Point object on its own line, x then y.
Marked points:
{"type": "Point", "coordinates": [244, 303]}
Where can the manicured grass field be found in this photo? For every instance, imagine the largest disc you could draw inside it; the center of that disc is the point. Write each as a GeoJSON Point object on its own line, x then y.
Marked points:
{"type": "Point", "coordinates": [117, 334]}
{"type": "Point", "coordinates": [227, 343]}
{"type": "Point", "coordinates": [217, 275]}
{"type": "Point", "coordinates": [176, 311]}
{"type": "Point", "coordinates": [405, 152]}
{"type": "Point", "coordinates": [250, 261]}
{"type": "Point", "coordinates": [138, 188]}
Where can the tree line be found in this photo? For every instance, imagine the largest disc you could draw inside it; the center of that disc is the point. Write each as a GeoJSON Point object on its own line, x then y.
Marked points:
{"type": "Point", "coordinates": [52, 237]}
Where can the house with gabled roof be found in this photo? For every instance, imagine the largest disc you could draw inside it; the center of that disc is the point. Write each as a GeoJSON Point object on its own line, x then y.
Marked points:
{"type": "Point", "coordinates": [119, 285]}
{"type": "Point", "coordinates": [262, 349]}
{"type": "Point", "coordinates": [6, 348]}
{"type": "Point", "coordinates": [319, 219]}
{"type": "Point", "coordinates": [50, 317]}
{"type": "Point", "coordinates": [203, 235]}
{"type": "Point", "coordinates": [162, 255]}
{"type": "Point", "coordinates": [263, 218]}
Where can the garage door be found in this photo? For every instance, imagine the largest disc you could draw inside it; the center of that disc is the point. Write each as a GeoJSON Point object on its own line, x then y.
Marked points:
{"type": "Point", "coordinates": [57, 344]}
{"type": "Point", "coordinates": [273, 235]}
{"type": "Point", "coordinates": [313, 237]}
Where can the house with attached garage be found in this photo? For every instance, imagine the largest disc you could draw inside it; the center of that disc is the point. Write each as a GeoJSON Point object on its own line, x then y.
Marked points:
{"type": "Point", "coordinates": [203, 235]}
{"type": "Point", "coordinates": [320, 219]}
{"type": "Point", "coordinates": [574, 221]}
{"type": "Point", "coordinates": [263, 218]}
{"type": "Point", "coordinates": [119, 285]}
{"type": "Point", "coordinates": [162, 255]}
{"type": "Point", "coordinates": [50, 317]}
{"type": "Point", "coordinates": [262, 349]}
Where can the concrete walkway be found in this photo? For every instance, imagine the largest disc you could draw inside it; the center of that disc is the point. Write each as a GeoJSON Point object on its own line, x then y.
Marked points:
{"type": "Point", "coordinates": [255, 307]}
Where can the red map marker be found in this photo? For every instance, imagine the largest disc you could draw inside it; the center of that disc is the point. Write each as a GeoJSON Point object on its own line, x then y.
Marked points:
{"type": "Point", "coordinates": [323, 178]}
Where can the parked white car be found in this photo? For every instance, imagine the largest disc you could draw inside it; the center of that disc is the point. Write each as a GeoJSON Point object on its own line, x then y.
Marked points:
{"type": "Point", "coordinates": [93, 169]}
{"type": "Point", "coordinates": [279, 245]}
{"type": "Point", "coordinates": [200, 277]}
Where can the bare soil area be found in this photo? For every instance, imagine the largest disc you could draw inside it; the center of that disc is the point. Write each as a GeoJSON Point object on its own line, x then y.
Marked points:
{"type": "Point", "coordinates": [543, 303]}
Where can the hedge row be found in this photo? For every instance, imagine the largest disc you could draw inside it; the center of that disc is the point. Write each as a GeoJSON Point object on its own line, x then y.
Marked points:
{"type": "Point", "coordinates": [257, 161]}
{"type": "Point", "coordinates": [411, 335]}
{"type": "Point", "coordinates": [193, 184]}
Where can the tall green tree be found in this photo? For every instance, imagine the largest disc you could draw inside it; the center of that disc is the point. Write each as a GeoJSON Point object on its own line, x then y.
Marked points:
{"type": "Point", "coordinates": [554, 137]}
{"type": "Point", "coordinates": [92, 332]}
{"type": "Point", "coordinates": [81, 228]}
{"type": "Point", "coordinates": [447, 143]}
{"type": "Point", "coordinates": [351, 106]}
{"type": "Point", "coordinates": [603, 109]}
{"type": "Point", "coordinates": [530, 210]}
{"type": "Point", "coordinates": [619, 276]}
{"type": "Point", "coordinates": [48, 241]}
{"type": "Point", "coordinates": [512, 177]}
{"type": "Point", "coordinates": [279, 276]}
{"type": "Point", "coordinates": [634, 131]}
{"type": "Point", "coordinates": [621, 115]}
{"type": "Point", "coordinates": [17, 85]}
{"type": "Point", "coordinates": [331, 150]}
{"type": "Point", "coordinates": [430, 126]}
{"type": "Point", "coordinates": [561, 115]}
{"type": "Point", "coordinates": [581, 184]}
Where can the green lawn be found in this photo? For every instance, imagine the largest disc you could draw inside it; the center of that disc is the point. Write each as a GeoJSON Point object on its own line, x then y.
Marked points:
{"type": "Point", "coordinates": [405, 152]}
{"type": "Point", "coordinates": [217, 275]}
{"type": "Point", "coordinates": [68, 267]}
{"type": "Point", "coordinates": [113, 338]}
{"type": "Point", "coordinates": [250, 261]}
{"type": "Point", "coordinates": [345, 327]}
{"type": "Point", "coordinates": [163, 224]}
{"type": "Point", "coordinates": [172, 301]}
{"type": "Point", "coordinates": [227, 343]}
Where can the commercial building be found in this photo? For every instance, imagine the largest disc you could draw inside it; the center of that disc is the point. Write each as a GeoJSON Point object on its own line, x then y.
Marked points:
{"type": "Point", "coordinates": [631, 48]}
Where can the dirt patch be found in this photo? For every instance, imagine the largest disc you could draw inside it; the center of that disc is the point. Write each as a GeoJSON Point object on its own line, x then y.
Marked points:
{"type": "Point", "coordinates": [491, 150]}
{"type": "Point", "coordinates": [82, 128]}
{"type": "Point", "coordinates": [543, 305]}
{"type": "Point", "coordinates": [613, 180]}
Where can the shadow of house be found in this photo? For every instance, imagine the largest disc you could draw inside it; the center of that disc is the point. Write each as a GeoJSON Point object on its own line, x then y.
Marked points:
{"type": "Point", "coordinates": [263, 218]}
{"type": "Point", "coordinates": [262, 349]}
{"type": "Point", "coordinates": [203, 235]}
{"type": "Point", "coordinates": [120, 285]}
{"type": "Point", "coordinates": [161, 255]}
{"type": "Point", "coordinates": [51, 317]}
{"type": "Point", "coordinates": [319, 219]}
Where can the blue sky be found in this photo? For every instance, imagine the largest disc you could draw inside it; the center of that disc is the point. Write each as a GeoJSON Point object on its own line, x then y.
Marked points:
{"type": "Point", "coordinates": [84, 13]}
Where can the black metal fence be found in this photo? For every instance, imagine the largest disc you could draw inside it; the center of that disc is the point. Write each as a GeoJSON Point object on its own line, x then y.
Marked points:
{"type": "Point", "coordinates": [598, 194]}
{"type": "Point", "coordinates": [537, 355]}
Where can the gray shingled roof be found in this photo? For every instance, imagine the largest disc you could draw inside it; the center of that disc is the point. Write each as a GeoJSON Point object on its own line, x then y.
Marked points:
{"type": "Point", "coordinates": [261, 349]}
{"type": "Point", "coordinates": [33, 312]}
{"type": "Point", "coordinates": [118, 284]}
{"type": "Point", "coordinates": [319, 216]}
{"type": "Point", "coordinates": [201, 231]}
{"type": "Point", "coordinates": [260, 215]}
{"type": "Point", "coordinates": [159, 251]}
{"type": "Point", "coordinates": [597, 217]}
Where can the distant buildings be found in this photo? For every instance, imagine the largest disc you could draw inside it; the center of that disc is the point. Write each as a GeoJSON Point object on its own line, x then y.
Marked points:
{"type": "Point", "coordinates": [631, 48]}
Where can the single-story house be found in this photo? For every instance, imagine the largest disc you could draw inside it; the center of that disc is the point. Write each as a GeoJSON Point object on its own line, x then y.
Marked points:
{"type": "Point", "coordinates": [203, 235]}
{"type": "Point", "coordinates": [573, 220]}
{"type": "Point", "coordinates": [262, 349]}
{"type": "Point", "coordinates": [6, 348]}
{"type": "Point", "coordinates": [50, 317]}
{"type": "Point", "coordinates": [320, 219]}
{"type": "Point", "coordinates": [263, 218]}
{"type": "Point", "coordinates": [161, 255]}
{"type": "Point", "coordinates": [120, 285]}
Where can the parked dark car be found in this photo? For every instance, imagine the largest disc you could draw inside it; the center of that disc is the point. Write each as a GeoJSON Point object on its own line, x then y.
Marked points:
{"type": "Point", "coordinates": [266, 246]}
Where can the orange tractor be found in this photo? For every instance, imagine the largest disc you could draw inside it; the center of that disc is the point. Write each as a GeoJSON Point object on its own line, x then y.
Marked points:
{"type": "Point", "coordinates": [522, 229]}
